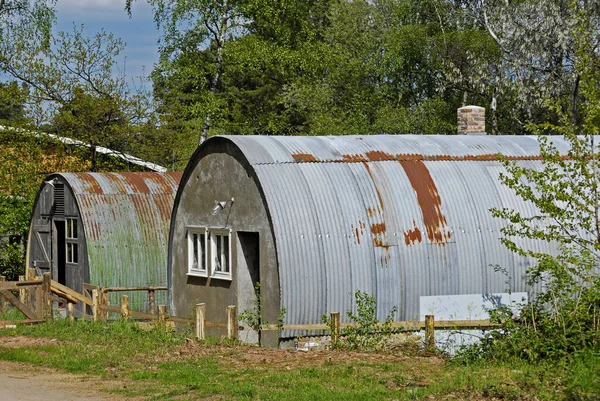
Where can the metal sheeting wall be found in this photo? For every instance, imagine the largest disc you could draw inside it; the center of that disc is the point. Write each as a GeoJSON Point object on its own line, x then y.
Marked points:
{"type": "Point", "coordinates": [126, 219]}
{"type": "Point", "coordinates": [396, 216]}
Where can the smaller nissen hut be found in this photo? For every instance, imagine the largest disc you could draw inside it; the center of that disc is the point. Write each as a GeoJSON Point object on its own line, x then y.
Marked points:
{"type": "Point", "coordinates": [314, 219]}
{"type": "Point", "coordinates": [107, 229]}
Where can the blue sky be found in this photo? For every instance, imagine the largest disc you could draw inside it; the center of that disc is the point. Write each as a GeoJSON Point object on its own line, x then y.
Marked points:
{"type": "Point", "coordinates": [139, 32]}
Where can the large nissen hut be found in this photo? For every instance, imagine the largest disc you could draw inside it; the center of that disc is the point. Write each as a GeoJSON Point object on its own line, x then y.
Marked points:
{"type": "Point", "coordinates": [313, 219]}
{"type": "Point", "coordinates": [107, 229]}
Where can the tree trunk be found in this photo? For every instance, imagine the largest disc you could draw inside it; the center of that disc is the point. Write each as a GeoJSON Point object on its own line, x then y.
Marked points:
{"type": "Point", "coordinates": [219, 66]}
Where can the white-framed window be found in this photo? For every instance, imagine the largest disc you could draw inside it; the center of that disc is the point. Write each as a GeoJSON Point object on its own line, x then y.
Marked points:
{"type": "Point", "coordinates": [71, 244]}
{"type": "Point", "coordinates": [209, 252]}
{"type": "Point", "coordinates": [197, 252]}
{"type": "Point", "coordinates": [220, 254]}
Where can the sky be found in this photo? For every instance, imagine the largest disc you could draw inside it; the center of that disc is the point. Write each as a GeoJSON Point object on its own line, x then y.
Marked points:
{"type": "Point", "coordinates": [138, 32]}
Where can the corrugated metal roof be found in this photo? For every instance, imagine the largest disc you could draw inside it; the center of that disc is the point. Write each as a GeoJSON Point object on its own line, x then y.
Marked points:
{"type": "Point", "coordinates": [126, 219]}
{"type": "Point", "coordinates": [396, 216]}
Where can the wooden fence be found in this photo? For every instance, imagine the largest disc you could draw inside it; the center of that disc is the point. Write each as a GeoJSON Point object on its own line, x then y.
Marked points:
{"type": "Point", "coordinates": [36, 296]}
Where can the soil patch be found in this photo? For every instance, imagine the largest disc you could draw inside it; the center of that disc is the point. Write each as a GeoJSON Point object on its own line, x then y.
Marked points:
{"type": "Point", "coordinates": [23, 382]}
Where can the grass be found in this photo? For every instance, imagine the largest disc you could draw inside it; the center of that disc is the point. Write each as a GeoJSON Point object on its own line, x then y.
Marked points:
{"type": "Point", "coordinates": [12, 314]}
{"type": "Point", "coordinates": [166, 366]}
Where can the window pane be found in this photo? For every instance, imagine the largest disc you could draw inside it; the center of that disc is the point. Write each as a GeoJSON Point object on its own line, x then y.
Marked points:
{"type": "Point", "coordinates": [225, 258]}
{"type": "Point", "coordinates": [75, 255]}
{"type": "Point", "coordinates": [217, 258]}
{"type": "Point", "coordinates": [69, 250]}
{"type": "Point", "coordinates": [195, 251]}
{"type": "Point", "coordinates": [202, 259]}
{"type": "Point", "coordinates": [71, 228]}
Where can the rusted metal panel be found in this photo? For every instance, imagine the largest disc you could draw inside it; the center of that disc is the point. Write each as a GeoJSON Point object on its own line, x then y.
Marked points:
{"type": "Point", "coordinates": [399, 217]}
{"type": "Point", "coordinates": [125, 219]}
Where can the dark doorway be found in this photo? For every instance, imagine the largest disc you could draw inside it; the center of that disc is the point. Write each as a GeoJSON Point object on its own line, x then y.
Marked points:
{"type": "Point", "coordinates": [250, 249]}
{"type": "Point", "coordinates": [61, 274]}
{"type": "Point", "coordinates": [249, 260]}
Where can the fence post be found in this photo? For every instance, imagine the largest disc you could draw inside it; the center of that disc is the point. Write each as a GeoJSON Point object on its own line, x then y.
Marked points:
{"type": "Point", "coordinates": [30, 276]}
{"type": "Point", "coordinates": [2, 303]}
{"type": "Point", "coordinates": [71, 311]}
{"type": "Point", "coordinates": [232, 322]}
{"type": "Point", "coordinates": [47, 294]}
{"type": "Point", "coordinates": [335, 327]}
{"type": "Point", "coordinates": [429, 332]}
{"type": "Point", "coordinates": [22, 292]}
{"type": "Point", "coordinates": [200, 313]}
{"type": "Point", "coordinates": [104, 301]}
{"type": "Point", "coordinates": [39, 301]}
{"type": "Point", "coordinates": [151, 302]}
{"type": "Point", "coordinates": [95, 305]}
{"type": "Point", "coordinates": [162, 314]}
{"type": "Point", "coordinates": [124, 306]}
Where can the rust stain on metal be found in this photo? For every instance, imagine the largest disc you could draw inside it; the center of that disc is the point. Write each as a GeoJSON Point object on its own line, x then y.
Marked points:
{"type": "Point", "coordinates": [429, 201]}
{"type": "Point", "coordinates": [356, 158]}
{"type": "Point", "coordinates": [90, 183]}
{"type": "Point", "coordinates": [412, 236]}
{"type": "Point", "coordinates": [377, 155]}
{"type": "Point", "coordinates": [136, 182]}
{"type": "Point", "coordinates": [304, 158]}
{"type": "Point", "coordinates": [375, 185]}
{"type": "Point", "coordinates": [359, 230]}
{"type": "Point", "coordinates": [378, 242]}
{"type": "Point", "coordinates": [378, 228]}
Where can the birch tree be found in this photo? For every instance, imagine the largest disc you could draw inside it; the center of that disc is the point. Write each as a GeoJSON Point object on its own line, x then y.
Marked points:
{"type": "Point", "coordinates": [211, 23]}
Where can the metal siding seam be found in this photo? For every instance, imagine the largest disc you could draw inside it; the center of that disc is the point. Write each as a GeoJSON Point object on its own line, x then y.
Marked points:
{"type": "Point", "coordinates": [357, 246]}
{"type": "Point", "coordinates": [298, 254]}
{"type": "Point", "coordinates": [386, 246]}
{"type": "Point", "coordinates": [369, 201]}
{"type": "Point", "coordinates": [331, 235]}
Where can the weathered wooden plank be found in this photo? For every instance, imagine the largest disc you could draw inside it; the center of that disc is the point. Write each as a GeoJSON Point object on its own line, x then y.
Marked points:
{"type": "Point", "coordinates": [17, 285]}
{"type": "Point", "coordinates": [18, 304]}
{"type": "Point", "coordinates": [409, 325]}
{"type": "Point", "coordinates": [232, 322]}
{"type": "Point", "coordinates": [146, 288]}
{"type": "Point", "coordinates": [4, 323]}
{"type": "Point", "coordinates": [56, 286]}
{"type": "Point", "coordinates": [66, 297]}
{"type": "Point", "coordinates": [200, 314]}
{"type": "Point", "coordinates": [47, 295]}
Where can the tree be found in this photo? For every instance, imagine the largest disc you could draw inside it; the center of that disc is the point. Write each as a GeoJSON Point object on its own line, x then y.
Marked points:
{"type": "Point", "coordinates": [12, 103]}
{"type": "Point", "coordinates": [535, 60]}
{"type": "Point", "coordinates": [207, 21]}
{"type": "Point", "coordinates": [564, 318]}
{"type": "Point", "coordinates": [74, 87]}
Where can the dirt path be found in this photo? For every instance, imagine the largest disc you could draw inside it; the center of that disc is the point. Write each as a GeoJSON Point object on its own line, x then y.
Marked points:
{"type": "Point", "coordinates": [22, 382]}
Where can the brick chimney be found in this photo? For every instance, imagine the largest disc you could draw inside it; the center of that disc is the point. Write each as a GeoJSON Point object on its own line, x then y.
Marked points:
{"type": "Point", "coordinates": [471, 120]}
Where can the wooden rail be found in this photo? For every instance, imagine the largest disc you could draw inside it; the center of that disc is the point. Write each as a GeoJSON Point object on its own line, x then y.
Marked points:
{"type": "Point", "coordinates": [36, 304]}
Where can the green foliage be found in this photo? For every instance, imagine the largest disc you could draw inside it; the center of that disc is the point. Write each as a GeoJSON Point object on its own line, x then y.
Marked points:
{"type": "Point", "coordinates": [254, 317]}
{"type": "Point", "coordinates": [12, 103]}
{"type": "Point", "coordinates": [369, 334]}
{"type": "Point", "coordinates": [564, 319]}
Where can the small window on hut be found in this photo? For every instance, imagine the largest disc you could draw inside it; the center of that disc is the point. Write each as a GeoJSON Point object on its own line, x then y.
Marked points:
{"type": "Point", "coordinates": [220, 250]}
{"type": "Point", "coordinates": [71, 241]}
{"type": "Point", "coordinates": [197, 252]}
